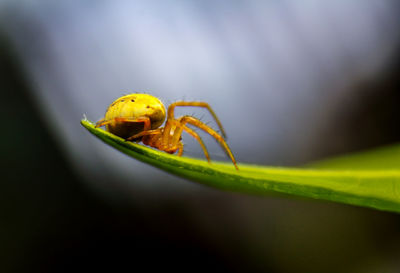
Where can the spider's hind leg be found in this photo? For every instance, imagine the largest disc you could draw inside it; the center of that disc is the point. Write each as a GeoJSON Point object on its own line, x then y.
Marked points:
{"type": "Point", "coordinates": [145, 133]}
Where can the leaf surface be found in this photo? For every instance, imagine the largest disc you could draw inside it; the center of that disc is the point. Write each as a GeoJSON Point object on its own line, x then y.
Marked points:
{"type": "Point", "coordinates": [369, 179]}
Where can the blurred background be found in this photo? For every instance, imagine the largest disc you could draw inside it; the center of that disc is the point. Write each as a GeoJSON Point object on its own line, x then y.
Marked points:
{"type": "Point", "coordinates": [291, 81]}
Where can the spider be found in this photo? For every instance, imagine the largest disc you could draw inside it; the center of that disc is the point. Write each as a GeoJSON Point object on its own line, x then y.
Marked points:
{"type": "Point", "coordinates": [138, 117]}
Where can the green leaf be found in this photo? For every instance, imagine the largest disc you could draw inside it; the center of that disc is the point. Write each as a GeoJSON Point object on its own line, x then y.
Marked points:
{"type": "Point", "coordinates": [370, 179]}
{"type": "Point", "coordinates": [383, 158]}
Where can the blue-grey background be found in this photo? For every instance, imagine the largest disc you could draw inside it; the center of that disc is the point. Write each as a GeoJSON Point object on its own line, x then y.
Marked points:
{"type": "Point", "coordinates": [291, 82]}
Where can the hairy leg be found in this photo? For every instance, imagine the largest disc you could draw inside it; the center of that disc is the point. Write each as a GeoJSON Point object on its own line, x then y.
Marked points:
{"type": "Point", "coordinates": [195, 122]}
{"type": "Point", "coordinates": [166, 134]}
{"type": "Point", "coordinates": [198, 138]}
{"type": "Point", "coordinates": [180, 147]}
{"type": "Point", "coordinates": [172, 106]}
{"type": "Point", "coordinates": [173, 139]}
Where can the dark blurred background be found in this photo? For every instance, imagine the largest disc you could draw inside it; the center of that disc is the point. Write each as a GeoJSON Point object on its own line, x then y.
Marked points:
{"type": "Point", "coordinates": [291, 81]}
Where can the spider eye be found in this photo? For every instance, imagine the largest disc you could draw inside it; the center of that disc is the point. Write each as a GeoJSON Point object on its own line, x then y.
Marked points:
{"type": "Point", "coordinates": [132, 100]}
{"type": "Point", "coordinates": [147, 106]}
{"type": "Point", "coordinates": [122, 100]}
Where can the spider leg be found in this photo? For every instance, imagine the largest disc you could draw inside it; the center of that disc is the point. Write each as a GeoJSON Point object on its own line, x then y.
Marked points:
{"type": "Point", "coordinates": [173, 139]}
{"type": "Point", "coordinates": [180, 147]}
{"type": "Point", "coordinates": [176, 136]}
{"type": "Point", "coordinates": [171, 134]}
{"type": "Point", "coordinates": [195, 122]}
{"type": "Point", "coordinates": [198, 138]}
{"type": "Point", "coordinates": [145, 120]}
{"type": "Point", "coordinates": [101, 122]}
{"type": "Point", "coordinates": [166, 134]}
{"type": "Point", "coordinates": [145, 133]}
{"type": "Point", "coordinates": [172, 106]}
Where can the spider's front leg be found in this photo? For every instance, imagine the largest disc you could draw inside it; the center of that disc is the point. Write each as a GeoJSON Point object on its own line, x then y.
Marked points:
{"type": "Point", "coordinates": [174, 140]}
{"type": "Point", "coordinates": [198, 138]}
{"type": "Point", "coordinates": [195, 122]}
{"type": "Point", "coordinates": [172, 106]}
{"type": "Point", "coordinates": [180, 148]}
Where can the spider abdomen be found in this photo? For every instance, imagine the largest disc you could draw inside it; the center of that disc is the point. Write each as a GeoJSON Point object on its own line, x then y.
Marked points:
{"type": "Point", "coordinates": [123, 112]}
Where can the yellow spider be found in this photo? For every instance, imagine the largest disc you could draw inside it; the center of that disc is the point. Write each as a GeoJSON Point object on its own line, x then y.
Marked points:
{"type": "Point", "coordinates": [138, 117]}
